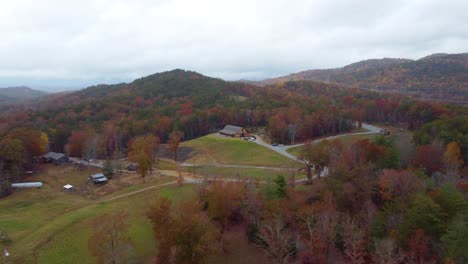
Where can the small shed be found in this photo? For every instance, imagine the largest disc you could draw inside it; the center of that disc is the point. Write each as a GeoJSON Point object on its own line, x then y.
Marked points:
{"type": "Point", "coordinates": [98, 179]}
{"type": "Point", "coordinates": [25, 185]}
{"type": "Point", "coordinates": [132, 167]}
{"type": "Point", "coordinates": [56, 158]}
{"type": "Point", "coordinates": [68, 188]}
{"type": "Point", "coordinates": [384, 132]}
{"type": "Point", "coordinates": [233, 131]}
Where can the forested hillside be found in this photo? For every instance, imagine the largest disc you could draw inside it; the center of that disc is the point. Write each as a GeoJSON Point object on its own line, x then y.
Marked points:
{"type": "Point", "coordinates": [439, 76]}
{"type": "Point", "coordinates": [197, 105]}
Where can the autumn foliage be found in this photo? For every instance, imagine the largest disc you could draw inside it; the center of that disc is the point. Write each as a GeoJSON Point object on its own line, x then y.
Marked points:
{"type": "Point", "coordinates": [142, 152]}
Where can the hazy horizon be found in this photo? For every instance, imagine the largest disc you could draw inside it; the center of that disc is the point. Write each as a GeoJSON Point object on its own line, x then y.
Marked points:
{"type": "Point", "coordinates": [60, 88]}
{"type": "Point", "coordinates": [57, 45]}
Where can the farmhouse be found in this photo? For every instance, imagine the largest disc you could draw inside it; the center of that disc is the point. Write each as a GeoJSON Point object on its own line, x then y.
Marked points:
{"type": "Point", "coordinates": [233, 131]}
{"type": "Point", "coordinates": [98, 179]}
{"type": "Point", "coordinates": [56, 158]}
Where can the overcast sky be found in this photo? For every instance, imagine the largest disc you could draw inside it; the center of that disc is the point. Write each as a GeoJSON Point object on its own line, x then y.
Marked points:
{"type": "Point", "coordinates": [72, 44]}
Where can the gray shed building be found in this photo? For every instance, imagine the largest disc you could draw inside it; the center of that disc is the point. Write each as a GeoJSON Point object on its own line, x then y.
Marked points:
{"type": "Point", "coordinates": [98, 179]}
{"type": "Point", "coordinates": [56, 158]}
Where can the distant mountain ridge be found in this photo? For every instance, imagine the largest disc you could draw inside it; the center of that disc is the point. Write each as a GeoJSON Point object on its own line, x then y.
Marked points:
{"type": "Point", "coordinates": [20, 93]}
{"type": "Point", "coordinates": [443, 76]}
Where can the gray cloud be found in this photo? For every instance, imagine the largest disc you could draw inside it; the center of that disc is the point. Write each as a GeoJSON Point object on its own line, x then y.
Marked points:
{"type": "Point", "coordinates": [55, 43]}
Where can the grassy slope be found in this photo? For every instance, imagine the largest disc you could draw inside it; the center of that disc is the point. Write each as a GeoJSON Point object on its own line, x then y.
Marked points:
{"type": "Point", "coordinates": [56, 226]}
{"type": "Point", "coordinates": [71, 243]}
{"type": "Point", "coordinates": [214, 149]}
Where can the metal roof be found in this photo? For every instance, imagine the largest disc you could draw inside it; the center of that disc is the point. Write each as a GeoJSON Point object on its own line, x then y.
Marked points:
{"type": "Point", "coordinates": [54, 155]}
{"type": "Point", "coordinates": [97, 176]}
{"type": "Point", "coordinates": [231, 130]}
{"type": "Point", "coordinates": [27, 185]}
{"type": "Point", "coordinates": [102, 179]}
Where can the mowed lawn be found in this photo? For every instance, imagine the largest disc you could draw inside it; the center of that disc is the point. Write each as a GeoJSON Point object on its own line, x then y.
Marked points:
{"type": "Point", "coordinates": [72, 241]}
{"type": "Point", "coordinates": [235, 151]}
{"type": "Point", "coordinates": [51, 226]}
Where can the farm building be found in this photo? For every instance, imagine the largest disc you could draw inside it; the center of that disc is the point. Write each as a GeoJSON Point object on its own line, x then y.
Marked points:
{"type": "Point", "coordinates": [384, 132]}
{"type": "Point", "coordinates": [68, 188]}
{"type": "Point", "coordinates": [26, 185]}
{"type": "Point", "coordinates": [56, 158]}
{"type": "Point", "coordinates": [233, 131]}
{"type": "Point", "coordinates": [98, 179]}
{"type": "Point", "coordinates": [132, 167]}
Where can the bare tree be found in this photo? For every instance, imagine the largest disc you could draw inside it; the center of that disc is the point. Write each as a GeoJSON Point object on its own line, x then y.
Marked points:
{"type": "Point", "coordinates": [277, 240]}
{"type": "Point", "coordinates": [353, 238]}
{"type": "Point", "coordinates": [292, 132]}
{"type": "Point", "coordinates": [110, 242]}
{"type": "Point", "coordinates": [386, 252]}
{"type": "Point", "coordinates": [90, 148]}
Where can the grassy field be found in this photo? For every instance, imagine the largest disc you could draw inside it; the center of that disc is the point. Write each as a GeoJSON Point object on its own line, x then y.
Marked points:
{"type": "Point", "coordinates": [54, 227]}
{"type": "Point", "coordinates": [48, 225]}
{"type": "Point", "coordinates": [71, 241]}
{"type": "Point", "coordinates": [214, 149]}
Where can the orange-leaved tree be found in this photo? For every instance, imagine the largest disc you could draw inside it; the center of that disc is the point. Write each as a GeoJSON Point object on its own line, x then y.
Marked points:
{"type": "Point", "coordinates": [452, 158]}
{"type": "Point", "coordinates": [110, 242]}
{"type": "Point", "coordinates": [174, 141]}
{"type": "Point", "coordinates": [142, 152]}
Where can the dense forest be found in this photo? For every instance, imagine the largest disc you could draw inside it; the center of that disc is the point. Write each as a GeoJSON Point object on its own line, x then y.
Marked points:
{"type": "Point", "coordinates": [438, 76]}
{"type": "Point", "coordinates": [375, 206]}
{"type": "Point", "coordinates": [100, 120]}
{"type": "Point", "coordinates": [197, 105]}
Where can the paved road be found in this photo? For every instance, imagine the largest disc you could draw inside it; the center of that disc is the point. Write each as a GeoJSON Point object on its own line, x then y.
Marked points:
{"type": "Point", "coordinates": [236, 166]}
{"type": "Point", "coordinates": [283, 150]}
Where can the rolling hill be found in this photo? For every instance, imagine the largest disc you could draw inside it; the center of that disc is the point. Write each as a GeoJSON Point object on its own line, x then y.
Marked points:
{"type": "Point", "coordinates": [17, 94]}
{"type": "Point", "coordinates": [197, 105]}
{"type": "Point", "coordinates": [438, 76]}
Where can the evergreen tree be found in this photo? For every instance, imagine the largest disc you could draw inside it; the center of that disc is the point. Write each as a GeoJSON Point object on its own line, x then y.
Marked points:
{"type": "Point", "coordinates": [281, 185]}
{"type": "Point", "coordinates": [108, 169]}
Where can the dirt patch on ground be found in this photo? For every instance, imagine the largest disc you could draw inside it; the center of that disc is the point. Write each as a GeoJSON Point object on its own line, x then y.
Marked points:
{"type": "Point", "coordinates": [123, 180]}
{"type": "Point", "coordinates": [184, 153]}
{"type": "Point", "coordinates": [55, 177]}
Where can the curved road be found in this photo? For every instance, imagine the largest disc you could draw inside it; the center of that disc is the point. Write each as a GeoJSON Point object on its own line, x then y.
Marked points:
{"type": "Point", "coordinates": [280, 150]}
{"type": "Point", "coordinates": [283, 150]}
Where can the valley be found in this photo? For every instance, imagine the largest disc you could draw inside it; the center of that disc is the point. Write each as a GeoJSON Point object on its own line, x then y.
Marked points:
{"type": "Point", "coordinates": [299, 157]}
